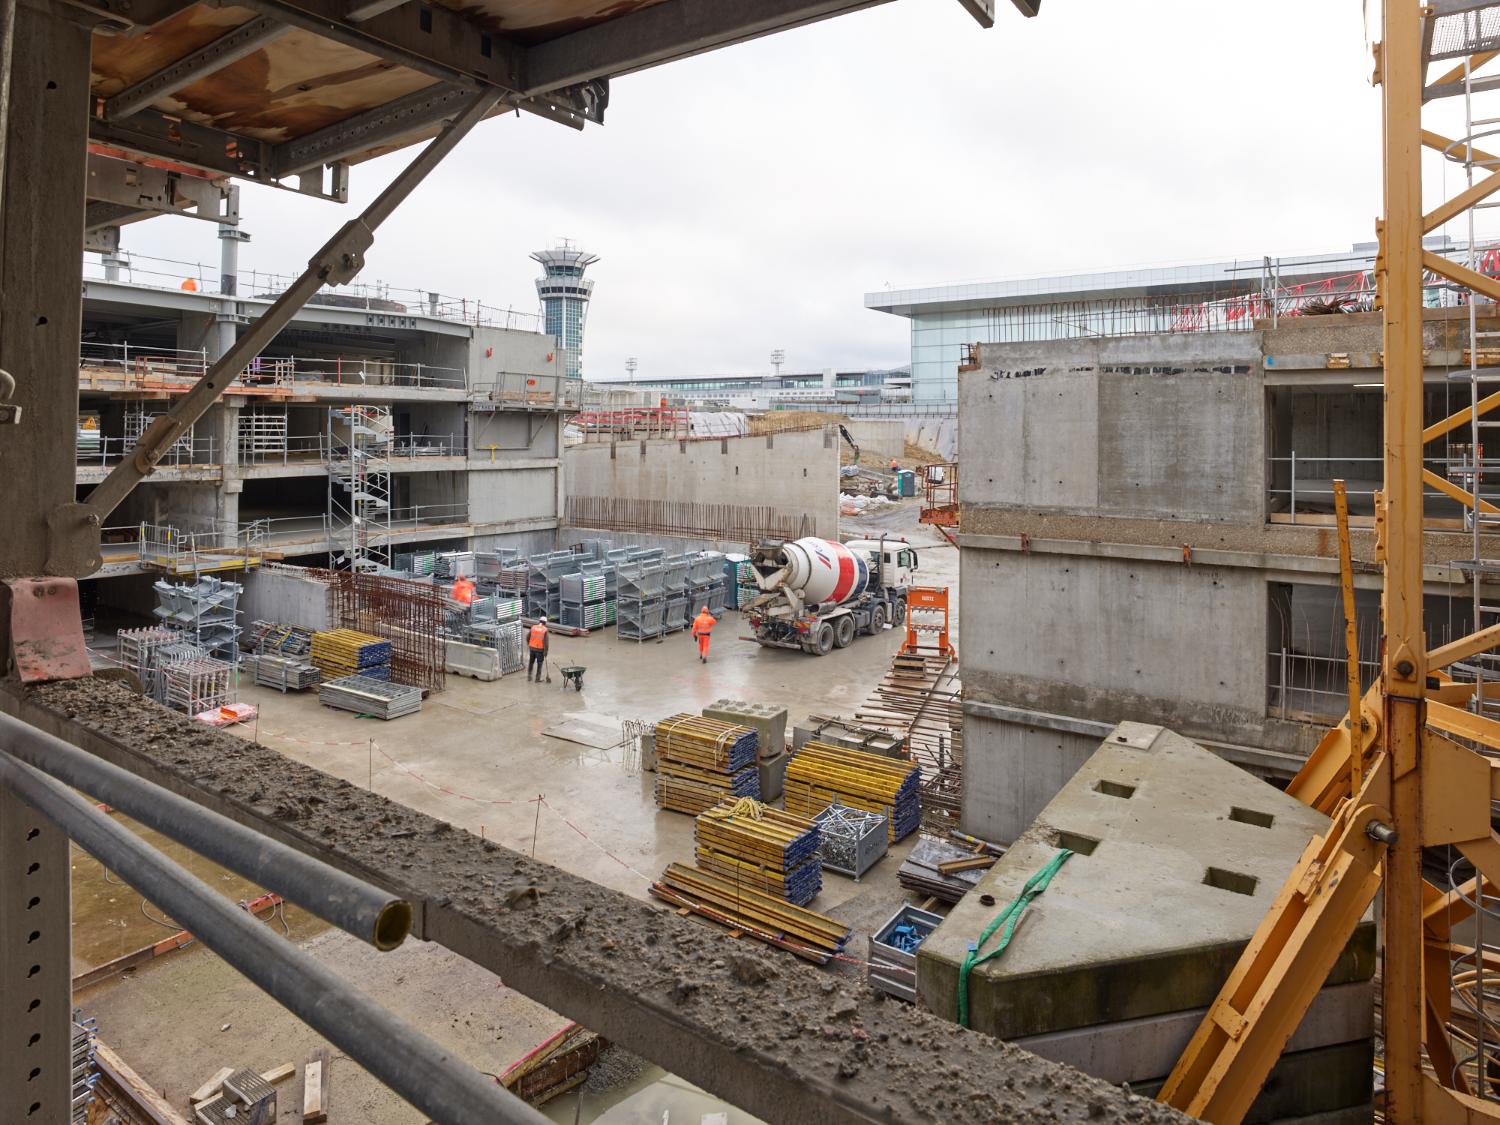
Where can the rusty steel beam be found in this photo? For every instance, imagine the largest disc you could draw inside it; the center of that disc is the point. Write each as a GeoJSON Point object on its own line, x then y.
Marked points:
{"type": "Point", "coordinates": [784, 1040]}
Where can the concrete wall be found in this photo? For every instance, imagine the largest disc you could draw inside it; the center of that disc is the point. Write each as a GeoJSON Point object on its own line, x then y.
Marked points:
{"type": "Point", "coordinates": [496, 350]}
{"type": "Point", "coordinates": [878, 439]}
{"type": "Point", "coordinates": [1012, 770]}
{"type": "Point", "coordinates": [936, 435]}
{"type": "Point", "coordinates": [507, 435]}
{"type": "Point", "coordinates": [512, 494]}
{"type": "Point", "coordinates": [1162, 426]}
{"type": "Point", "coordinates": [281, 594]}
{"type": "Point", "coordinates": [794, 473]}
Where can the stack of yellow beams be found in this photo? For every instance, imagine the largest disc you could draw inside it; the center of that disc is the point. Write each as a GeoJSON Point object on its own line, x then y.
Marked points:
{"type": "Point", "coordinates": [344, 652]}
{"type": "Point", "coordinates": [819, 774]}
{"type": "Point", "coordinates": [700, 761]}
{"type": "Point", "coordinates": [806, 933]}
{"type": "Point", "coordinates": [762, 848]}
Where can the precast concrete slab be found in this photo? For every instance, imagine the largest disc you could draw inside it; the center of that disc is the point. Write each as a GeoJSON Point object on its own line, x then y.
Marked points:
{"type": "Point", "coordinates": [1177, 856]}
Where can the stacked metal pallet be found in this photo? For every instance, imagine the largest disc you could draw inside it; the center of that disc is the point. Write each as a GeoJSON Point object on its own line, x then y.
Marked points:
{"type": "Point", "coordinates": [344, 652]}
{"type": "Point", "coordinates": [582, 598]}
{"type": "Point", "coordinates": [138, 652]}
{"type": "Point", "coordinates": [85, 1072]}
{"type": "Point", "coordinates": [206, 611]}
{"type": "Point", "coordinates": [676, 614]}
{"type": "Point", "coordinates": [818, 775]}
{"type": "Point", "coordinates": [706, 582]}
{"type": "Point", "coordinates": [285, 673]}
{"type": "Point", "coordinates": [192, 686]}
{"type": "Point", "coordinates": [451, 564]}
{"type": "Point", "coordinates": [366, 696]}
{"type": "Point", "coordinates": [640, 600]}
{"type": "Point", "coordinates": [700, 761]}
{"type": "Point", "coordinates": [764, 917]}
{"type": "Point", "coordinates": [762, 848]}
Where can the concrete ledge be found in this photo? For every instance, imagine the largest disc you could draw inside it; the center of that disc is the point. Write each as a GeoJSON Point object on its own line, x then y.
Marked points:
{"type": "Point", "coordinates": [801, 1045]}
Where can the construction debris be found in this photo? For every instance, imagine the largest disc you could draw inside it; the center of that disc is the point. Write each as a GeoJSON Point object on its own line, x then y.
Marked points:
{"type": "Point", "coordinates": [700, 761]}
{"type": "Point", "coordinates": [760, 847]}
{"type": "Point", "coordinates": [766, 918]}
{"type": "Point", "coordinates": [556, 1065]}
{"type": "Point", "coordinates": [365, 696]}
{"type": "Point", "coordinates": [315, 1088]}
{"type": "Point", "coordinates": [922, 873]}
{"type": "Point", "coordinates": [818, 775]}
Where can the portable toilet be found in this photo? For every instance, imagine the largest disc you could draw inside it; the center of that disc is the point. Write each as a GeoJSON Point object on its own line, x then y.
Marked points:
{"type": "Point", "coordinates": [906, 482]}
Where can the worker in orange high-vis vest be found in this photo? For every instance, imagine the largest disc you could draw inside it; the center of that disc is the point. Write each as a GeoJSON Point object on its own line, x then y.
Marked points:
{"type": "Point", "coordinates": [463, 590]}
{"type": "Point", "coordinates": [536, 643]}
{"type": "Point", "coordinates": [703, 627]}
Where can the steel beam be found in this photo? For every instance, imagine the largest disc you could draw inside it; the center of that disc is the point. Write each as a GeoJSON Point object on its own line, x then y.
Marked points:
{"type": "Point", "coordinates": [431, 39]}
{"type": "Point", "coordinates": [36, 971]}
{"type": "Point", "coordinates": [41, 235]}
{"type": "Point", "coordinates": [663, 32]}
{"type": "Point", "coordinates": [419, 110]}
{"type": "Point", "coordinates": [811, 1048]}
{"type": "Point", "coordinates": [153, 133]}
{"type": "Point", "coordinates": [228, 48]}
{"type": "Point", "coordinates": [139, 189]}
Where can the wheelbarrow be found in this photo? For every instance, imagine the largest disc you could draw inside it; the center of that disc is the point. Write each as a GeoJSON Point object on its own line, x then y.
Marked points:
{"type": "Point", "coordinates": [572, 673]}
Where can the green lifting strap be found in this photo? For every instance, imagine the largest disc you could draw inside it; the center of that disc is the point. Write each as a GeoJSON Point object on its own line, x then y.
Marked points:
{"type": "Point", "coordinates": [1008, 918]}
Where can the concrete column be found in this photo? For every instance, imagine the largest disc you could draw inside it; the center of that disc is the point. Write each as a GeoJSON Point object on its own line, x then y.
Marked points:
{"type": "Point", "coordinates": [41, 247]}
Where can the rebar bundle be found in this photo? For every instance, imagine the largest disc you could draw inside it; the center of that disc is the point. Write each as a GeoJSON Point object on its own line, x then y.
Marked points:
{"type": "Point", "coordinates": [407, 613]}
{"type": "Point", "coordinates": [344, 652]}
{"type": "Point", "coordinates": [818, 775]}
{"type": "Point", "coordinates": [764, 917]}
{"type": "Point", "coordinates": [760, 847]}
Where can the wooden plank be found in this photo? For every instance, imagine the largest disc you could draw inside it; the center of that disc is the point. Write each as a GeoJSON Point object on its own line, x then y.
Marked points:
{"type": "Point", "coordinates": [280, 1073]}
{"type": "Point", "coordinates": [978, 863]}
{"type": "Point", "coordinates": [152, 1106]}
{"type": "Point", "coordinates": [211, 1087]}
{"type": "Point", "coordinates": [315, 1089]}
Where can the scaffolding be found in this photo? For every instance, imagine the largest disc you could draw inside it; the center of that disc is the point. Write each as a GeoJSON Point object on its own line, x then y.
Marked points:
{"type": "Point", "coordinates": [358, 444]}
{"type": "Point", "coordinates": [263, 432]}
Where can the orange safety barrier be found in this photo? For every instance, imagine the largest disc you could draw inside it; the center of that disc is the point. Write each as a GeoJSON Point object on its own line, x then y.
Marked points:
{"type": "Point", "coordinates": [927, 613]}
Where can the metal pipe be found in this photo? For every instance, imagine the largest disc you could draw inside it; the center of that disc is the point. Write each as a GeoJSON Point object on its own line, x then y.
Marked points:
{"type": "Point", "coordinates": [426, 1075]}
{"type": "Point", "coordinates": [341, 899]}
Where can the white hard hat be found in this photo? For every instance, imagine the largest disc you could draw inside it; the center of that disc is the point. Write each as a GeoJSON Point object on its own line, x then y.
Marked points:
{"type": "Point", "coordinates": [544, 617]}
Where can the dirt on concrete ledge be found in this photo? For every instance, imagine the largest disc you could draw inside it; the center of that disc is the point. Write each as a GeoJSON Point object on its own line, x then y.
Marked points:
{"type": "Point", "coordinates": [780, 1038]}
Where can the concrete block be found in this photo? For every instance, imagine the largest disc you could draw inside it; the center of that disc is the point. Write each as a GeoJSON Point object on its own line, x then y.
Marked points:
{"type": "Point", "coordinates": [478, 661]}
{"type": "Point", "coordinates": [766, 719]}
{"type": "Point", "coordinates": [773, 776]}
{"type": "Point", "coordinates": [851, 736]}
{"type": "Point", "coordinates": [1178, 855]}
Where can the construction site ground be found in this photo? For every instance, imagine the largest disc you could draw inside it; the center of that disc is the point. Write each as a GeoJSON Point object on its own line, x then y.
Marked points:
{"type": "Point", "coordinates": [477, 757]}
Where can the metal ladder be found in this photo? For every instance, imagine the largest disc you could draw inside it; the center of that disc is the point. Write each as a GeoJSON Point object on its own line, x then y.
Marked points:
{"type": "Point", "coordinates": [359, 485]}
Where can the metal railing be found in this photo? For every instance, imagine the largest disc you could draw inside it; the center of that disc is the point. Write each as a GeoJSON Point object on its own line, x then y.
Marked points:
{"type": "Point", "coordinates": [1310, 483]}
{"type": "Point", "coordinates": [316, 529]}
{"type": "Point", "coordinates": [121, 366]}
{"type": "Point", "coordinates": [516, 390]}
{"type": "Point", "coordinates": [374, 296]}
{"type": "Point", "coordinates": [1299, 684]}
{"type": "Point", "coordinates": [189, 451]}
{"type": "Point", "coordinates": [207, 547]}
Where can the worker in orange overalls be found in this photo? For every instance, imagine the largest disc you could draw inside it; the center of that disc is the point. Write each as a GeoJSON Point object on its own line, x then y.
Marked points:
{"type": "Point", "coordinates": [536, 642]}
{"type": "Point", "coordinates": [895, 465]}
{"type": "Point", "coordinates": [703, 627]}
{"type": "Point", "coordinates": [463, 590]}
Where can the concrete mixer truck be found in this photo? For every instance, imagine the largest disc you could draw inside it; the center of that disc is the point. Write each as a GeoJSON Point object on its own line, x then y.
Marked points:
{"type": "Point", "coordinates": [818, 595]}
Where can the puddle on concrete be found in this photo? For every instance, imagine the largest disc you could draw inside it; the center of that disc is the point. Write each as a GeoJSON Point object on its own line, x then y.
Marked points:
{"type": "Point", "coordinates": [653, 1098]}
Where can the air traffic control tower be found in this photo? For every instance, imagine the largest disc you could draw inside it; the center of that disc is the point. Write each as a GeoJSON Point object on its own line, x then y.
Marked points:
{"type": "Point", "coordinates": [565, 300]}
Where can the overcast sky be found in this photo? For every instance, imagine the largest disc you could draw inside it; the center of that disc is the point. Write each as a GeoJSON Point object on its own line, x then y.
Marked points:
{"type": "Point", "coordinates": [747, 199]}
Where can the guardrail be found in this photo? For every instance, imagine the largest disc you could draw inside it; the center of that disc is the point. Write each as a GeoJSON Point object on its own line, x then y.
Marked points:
{"type": "Point", "coordinates": [103, 451]}
{"type": "Point", "coordinates": [1310, 483]}
{"type": "Point", "coordinates": [120, 366]}
{"type": "Point", "coordinates": [515, 390]}
{"type": "Point", "coordinates": [166, 273]}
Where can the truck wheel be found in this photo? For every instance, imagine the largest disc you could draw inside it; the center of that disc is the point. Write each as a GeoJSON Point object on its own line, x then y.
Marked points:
{"type": "Point", "coordinates": [823, 642]}
{"type": "Point", "coordinates": [843, 631]}
{"type": "Point", "coordinates": [877, 619]}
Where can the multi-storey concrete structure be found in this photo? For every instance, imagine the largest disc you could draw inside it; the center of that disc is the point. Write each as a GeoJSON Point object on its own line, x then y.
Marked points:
{"type": "Point", "coordinates": [1147, 535]}
{"type": "Point", "coordinates": [375, 423]}
{"type": "Point", "coordinates": [946, 319]}
{"type": "Point", "coordinates": [565, 294]}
